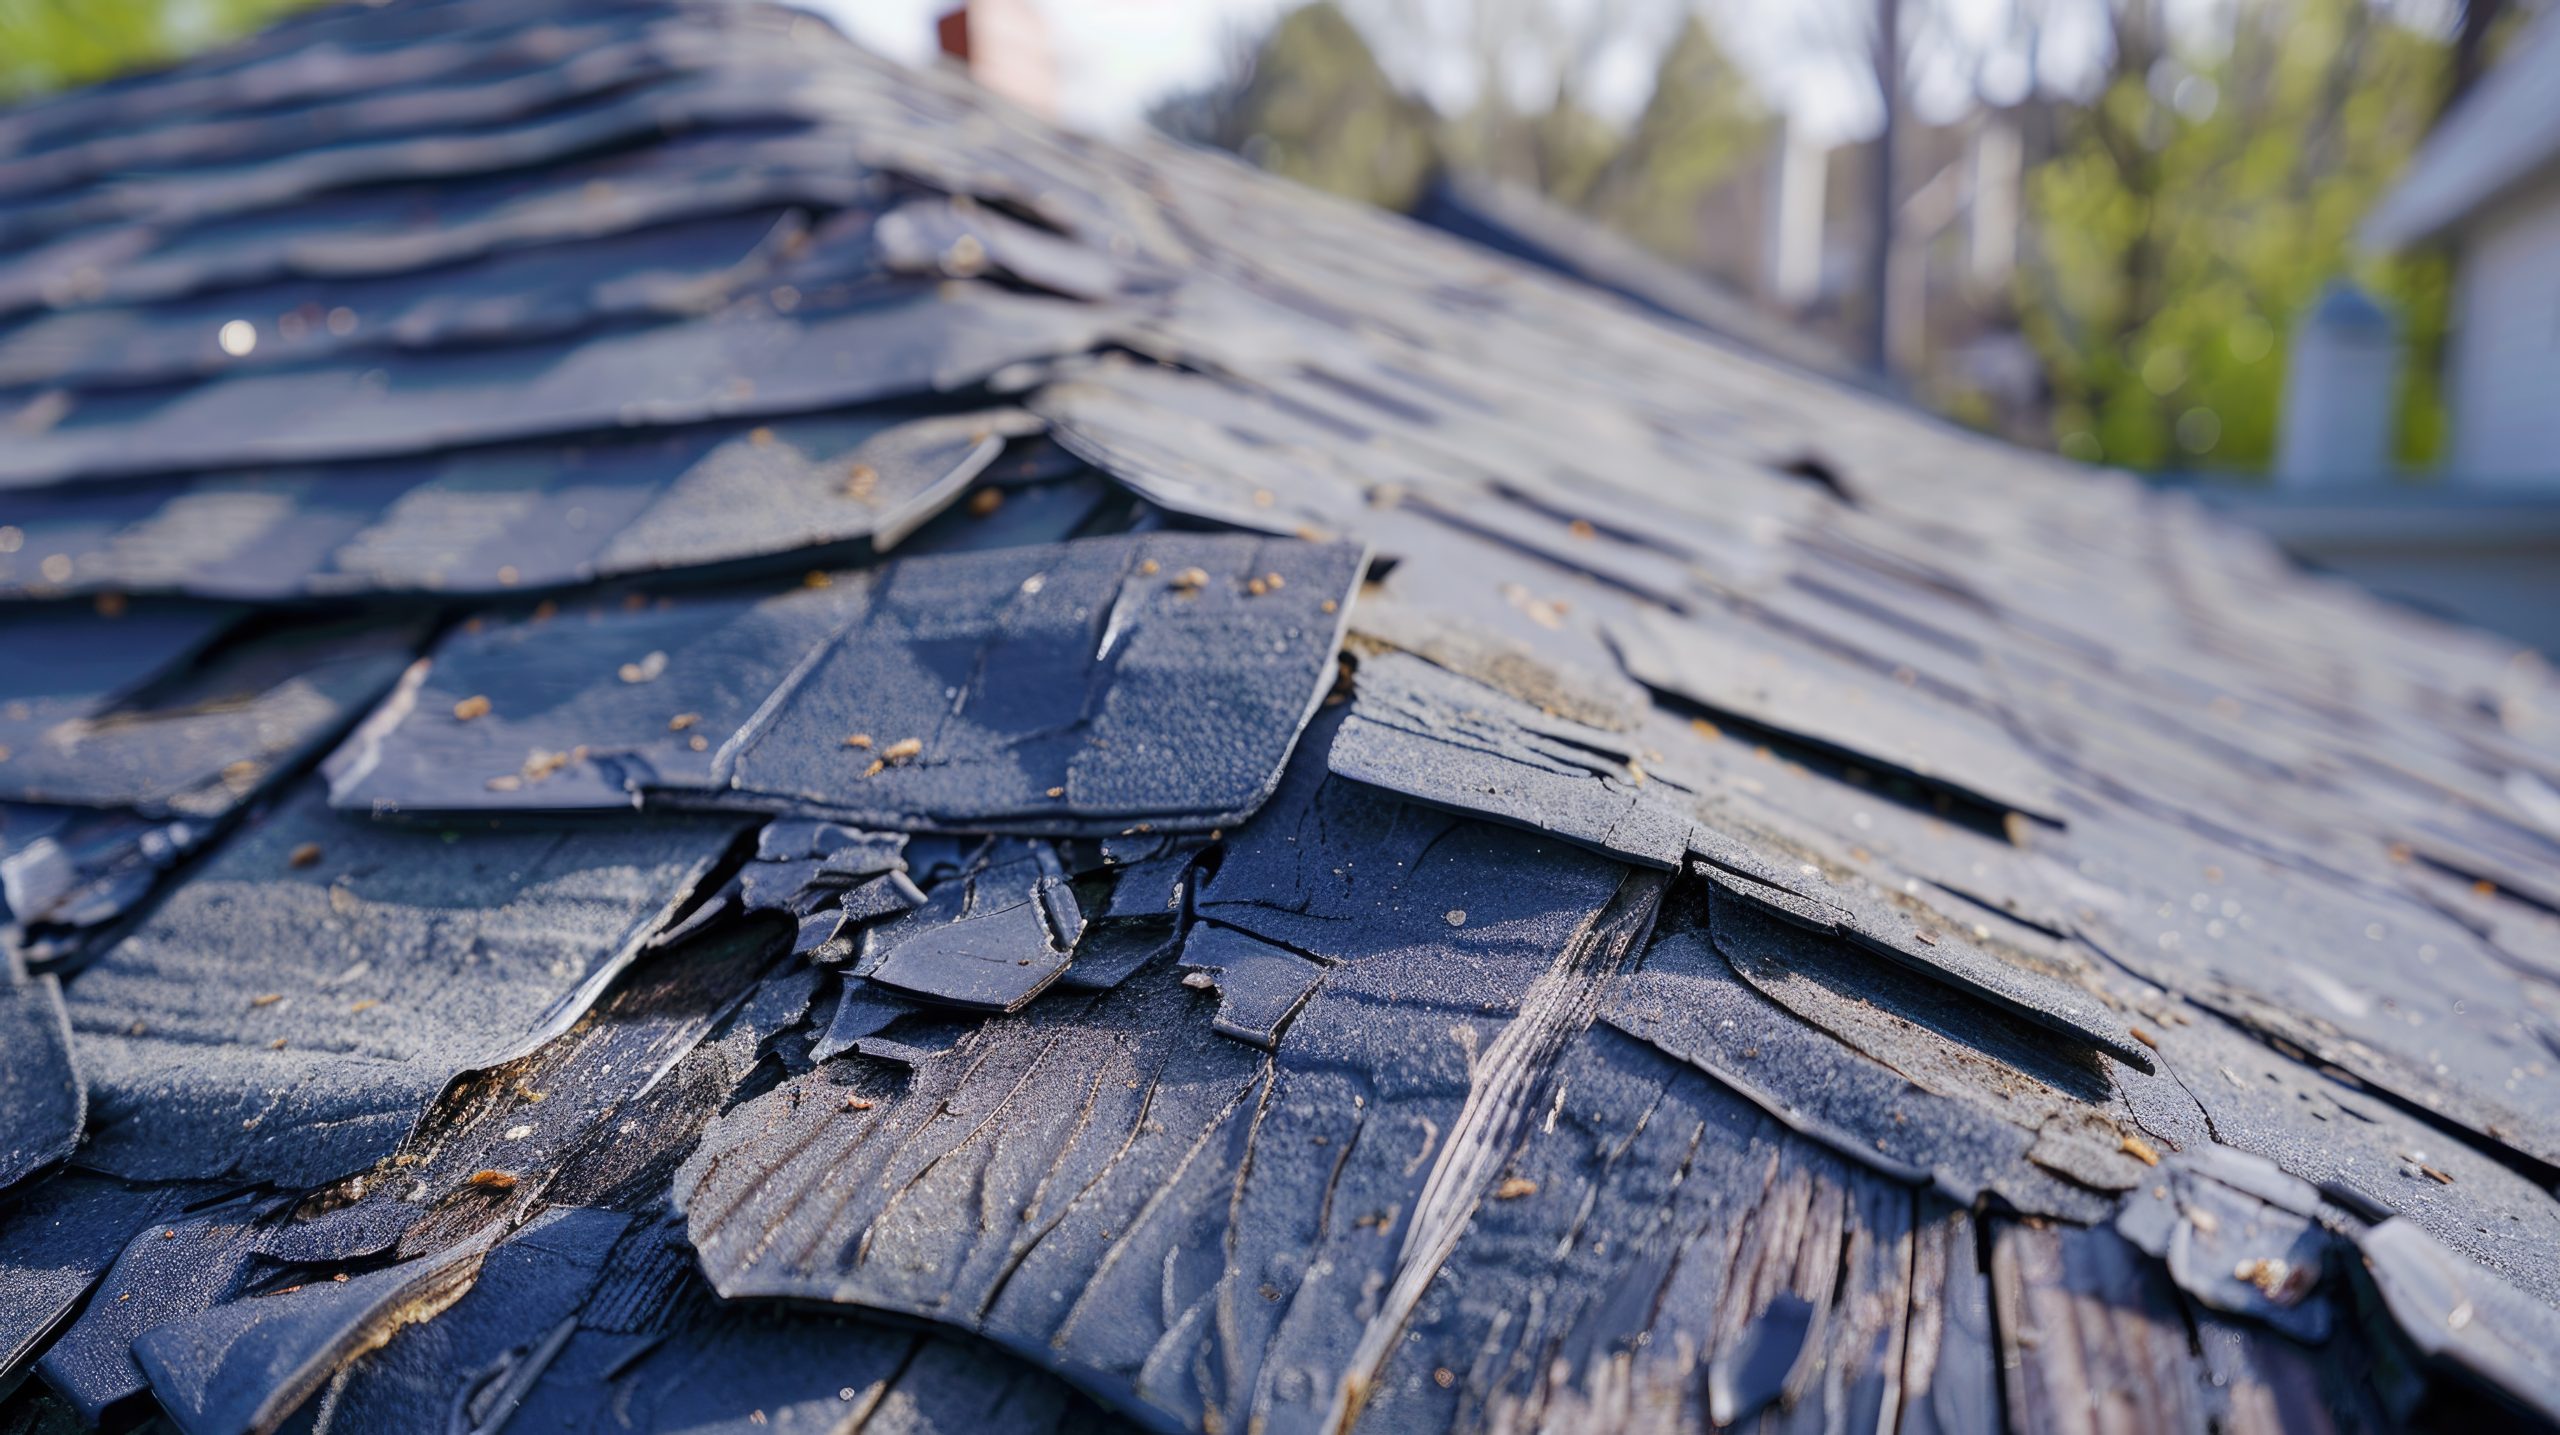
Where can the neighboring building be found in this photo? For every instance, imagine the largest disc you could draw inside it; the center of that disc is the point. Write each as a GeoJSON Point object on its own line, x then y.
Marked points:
{"type": "Point", "coordinates": [2486, 185]}
{"type": "Point", "coordinates": [1776, 257]}
{"type": "Point", "coordinates": [2481, 542]}
{"type": "Point", "coordinates": [2475, 554]}
{"type": "Point", "coordinates": [1951, 326]}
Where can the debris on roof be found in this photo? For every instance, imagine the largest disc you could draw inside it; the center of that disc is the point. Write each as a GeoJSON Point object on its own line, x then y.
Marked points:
{"type": "Point", "coordinates": [699, 734]}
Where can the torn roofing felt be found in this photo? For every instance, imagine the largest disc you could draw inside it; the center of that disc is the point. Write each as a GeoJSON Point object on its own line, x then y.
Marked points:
{"type": "Point", "coordinates": [699, 734]}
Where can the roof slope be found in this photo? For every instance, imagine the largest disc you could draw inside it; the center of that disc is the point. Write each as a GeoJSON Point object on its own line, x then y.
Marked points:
{"type": "Point", "coordinates": [702, 735]}
{"type": "Point", "coordinates": [1520, 222]}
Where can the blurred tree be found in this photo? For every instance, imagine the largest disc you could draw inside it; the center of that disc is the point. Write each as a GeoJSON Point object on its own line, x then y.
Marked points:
{"type": "Point", "coordinates": [1703, 124]}
{"type": "Point", "coordinates": [2196, 205]}
{"type": "Point", "coordinates": [1558, 151]}
{"type": "Point", "coordinates": [1312, 103]}
{"type": "Point", "coordinates": [1526, 61]}
{"type": "Point", "coordinates": [46, 44]}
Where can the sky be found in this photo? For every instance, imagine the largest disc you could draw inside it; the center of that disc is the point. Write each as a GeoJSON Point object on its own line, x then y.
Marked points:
{"type": "Point", "coordinates": [1118, 57]}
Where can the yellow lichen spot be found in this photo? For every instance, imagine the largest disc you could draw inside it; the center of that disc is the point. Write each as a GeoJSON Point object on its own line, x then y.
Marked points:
{"type": "Point", "coordinates": [539, 764]}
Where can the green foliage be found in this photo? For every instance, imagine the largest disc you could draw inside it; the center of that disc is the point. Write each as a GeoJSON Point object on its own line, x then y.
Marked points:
{"type": "Point", "coordinates": [1317, 108]}
{"type": "Point", "coordinates": [2175, 240]}
{"type": "Point", "coordinates": [1315, 105]}
{"type": "Point", "coordinates": [1558, 152]}
{"type": "Point", "coordinates": [1703, 123]}
{"type": "Point", "coordinates": [48, 44]}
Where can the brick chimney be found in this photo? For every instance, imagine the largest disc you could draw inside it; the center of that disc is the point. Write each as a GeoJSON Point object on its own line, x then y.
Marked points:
{"type": "Point", "coordinates": [1005, 46]}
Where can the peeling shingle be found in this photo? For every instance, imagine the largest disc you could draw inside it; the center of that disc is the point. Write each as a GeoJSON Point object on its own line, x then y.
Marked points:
{"type": "Point", "coordinates": [224, 1037]}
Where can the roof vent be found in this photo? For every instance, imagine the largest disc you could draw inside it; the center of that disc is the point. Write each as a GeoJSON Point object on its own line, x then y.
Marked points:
{"type": "Point", "coordinates": [2341, 386]}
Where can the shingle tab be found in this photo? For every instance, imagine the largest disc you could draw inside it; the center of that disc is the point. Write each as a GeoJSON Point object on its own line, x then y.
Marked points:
{"type": "Point", "coordinates": [42, 1100]}
{"type": "Point", "coordinates": [287, 1017]}
{"type": "Point", "coordinates": [1084, 689]}
{"type": "Point", "coordinates": [905, 345]}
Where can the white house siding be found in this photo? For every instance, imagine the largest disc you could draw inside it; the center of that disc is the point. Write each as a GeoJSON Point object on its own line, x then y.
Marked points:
{"type": "Point", "coordinates": [2505, 347]}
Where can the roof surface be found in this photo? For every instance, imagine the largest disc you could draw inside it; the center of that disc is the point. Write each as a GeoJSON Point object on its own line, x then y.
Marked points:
{"type": "Point", "coordinates": [702, 735]}
{"type": "Point", "coordinates": [2503, 133]}
{"type": "Point", "coordinates": [1515, 220]}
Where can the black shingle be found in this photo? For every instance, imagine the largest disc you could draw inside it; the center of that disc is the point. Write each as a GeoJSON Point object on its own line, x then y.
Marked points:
{"type": "Point", "coordinates": [1352, 837]}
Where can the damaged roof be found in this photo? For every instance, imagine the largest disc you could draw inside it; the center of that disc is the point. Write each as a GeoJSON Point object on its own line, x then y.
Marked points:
{"type": "Point", "coordinates": [699, 734]}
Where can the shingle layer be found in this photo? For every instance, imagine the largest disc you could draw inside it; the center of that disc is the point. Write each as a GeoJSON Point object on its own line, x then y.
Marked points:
{"type": "Point", "coordinates": [697, 734]}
